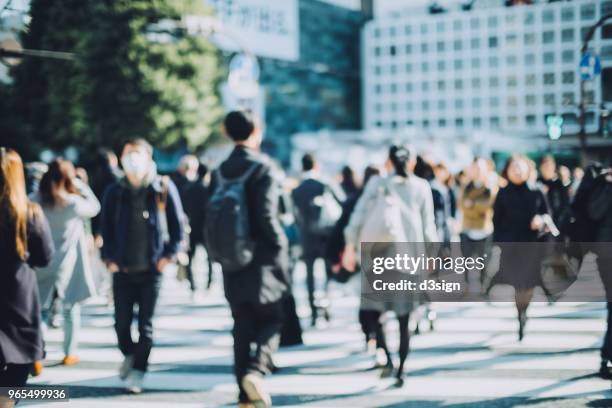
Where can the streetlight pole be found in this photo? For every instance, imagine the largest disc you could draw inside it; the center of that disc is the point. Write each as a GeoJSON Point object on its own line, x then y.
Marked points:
{"type": "Point", "coordinates": [583, 101]}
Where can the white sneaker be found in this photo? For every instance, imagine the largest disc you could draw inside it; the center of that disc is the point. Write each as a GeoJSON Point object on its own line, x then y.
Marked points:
{"type": "Point", "coordinates": [126, 367]}
{"type": "Point", "coordinates": [135, 381]}
{"type": "Point", "coordinates": [254, 388]}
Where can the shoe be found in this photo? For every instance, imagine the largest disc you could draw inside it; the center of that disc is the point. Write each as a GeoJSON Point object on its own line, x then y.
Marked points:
{"type": "Point", "coordinates": [387, 370]}
{"type": "Point", "coordinates": [126, 367]}
{"type": "Point", "coordinates": [399, 382]}
{"type": "Point", "coordinates": [37, 368]}
{"type": "Point", "coordinates": [134, 382]}
{"type": "Point", "coordinates": [71, 359]}
{"type": "Point", "coordinates": [254, 388]}
{"type": "Point", "coordinates": [604, 370]}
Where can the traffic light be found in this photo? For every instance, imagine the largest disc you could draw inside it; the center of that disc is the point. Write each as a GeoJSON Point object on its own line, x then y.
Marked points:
{"type": "Point", "coordinates": [554, 124]}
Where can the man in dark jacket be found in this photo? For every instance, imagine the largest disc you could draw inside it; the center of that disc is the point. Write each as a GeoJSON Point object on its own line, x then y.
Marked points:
{"type": "Point", "coordinates": [255, 292]}
{"type": "Point", "coordinates": [138, 246]}
{"type": "Point", "coordinates": [309, 199]}
{"type": "Point", "coordinates": [557, 194]}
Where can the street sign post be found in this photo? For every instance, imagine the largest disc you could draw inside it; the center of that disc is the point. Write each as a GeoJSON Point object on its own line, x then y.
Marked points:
{"type": "Point", "coordinates": [589, 67]}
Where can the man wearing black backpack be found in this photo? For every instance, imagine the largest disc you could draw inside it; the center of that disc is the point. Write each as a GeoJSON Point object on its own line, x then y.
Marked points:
{"type": "Point", "coordinates": [318, 209]}
{"type": "Point", "coordinates": [245, 236]}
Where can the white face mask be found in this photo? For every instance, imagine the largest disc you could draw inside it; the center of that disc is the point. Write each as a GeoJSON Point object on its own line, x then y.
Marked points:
{"type": "Point", "coordinates": [135, 164]}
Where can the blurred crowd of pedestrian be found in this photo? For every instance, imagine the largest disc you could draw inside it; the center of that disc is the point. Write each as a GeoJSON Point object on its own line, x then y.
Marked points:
{"type": "Point", "coordinates": [68, 234]}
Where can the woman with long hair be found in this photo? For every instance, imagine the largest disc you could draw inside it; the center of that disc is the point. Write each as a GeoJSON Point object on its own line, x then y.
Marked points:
{"type": "Point", "coordinates": [68, 204]}
{"type": "Point", "coordinates": [518, 223]}
{"type": "Point", "coordinates": [415, 223]}
{"type": "Point", "coordinates": [25, 242]}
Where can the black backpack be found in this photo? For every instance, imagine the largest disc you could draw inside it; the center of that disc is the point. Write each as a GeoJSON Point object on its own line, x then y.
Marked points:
{"type": "Point", "coordinates": [227, 228]}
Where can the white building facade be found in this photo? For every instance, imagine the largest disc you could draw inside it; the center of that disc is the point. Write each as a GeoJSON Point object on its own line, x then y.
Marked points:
{"type": "Point", "coordinates": [499, 69]}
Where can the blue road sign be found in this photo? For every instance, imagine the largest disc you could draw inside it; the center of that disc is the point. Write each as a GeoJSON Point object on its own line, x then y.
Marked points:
{"type": "Point", "coordinates": [589, 67]}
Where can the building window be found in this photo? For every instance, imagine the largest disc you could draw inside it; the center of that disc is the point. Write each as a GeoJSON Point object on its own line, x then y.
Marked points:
{"type": "Point", "coordinates": [567, 14]}
{"type": "Point", "coordinates": [378, 89]}
{"type": "Point", "coordinates": [393, 88]}
{"type": "Point", "coordinates": [513, 120]}
{"type": "Point", "coordinates": [377, 51]}
{"type": "Point", "coordinates": [407, 30]}
{"type": "Point", "coordinates": [512, 82]}
{"type": "Point", "coordinates": [440, 26]}
{"type": "Point", "coordinates": [475, 43]}
{"type": "Point", "coordinates": [424, 67]}
{"type": "Point", "coordinates": [529, 59]}
{"type": "Point", "coordinates": [392, 31]}
{"type": "Point", "coordinates": [549, 99]}
{"type": "Point", "coordinates": [426, 123]}
{"type": "Point", "coordinates": [494, 121]}
{"type": "Point", "coordinates": [567, 35]}
{"type": "Point", "coordinates": [392, 50]}
{"type": "Point", "coordinates": [424, 48]}
{"type": "Point", "coordinates": [458, 64]}
{"type": "Point", "coordinates": [476, 103]}
{"type": "Point", "coordinates": [423, 28]}
{"type": "Point", "coordinates": [458, 84]}
{"type": "Point", "coordinates": [477, 122]}
{"type": "Point", "coordinates": [512, 101]}
{"type": "Point", "coordinates": [530, 100]}
{"type": "Point", "coordinates": [492, 22]}
{"type": "Point", "coordinates": [476, 83]}
{"type": "Point", "coordinates": [549, 79]}
{"type": "Point", "coordinates": [529, 39]}
{"type": "Point", "coordinates": [440, 46]}
{"type": "Point", "coordinates": [493, 62]}
{"type": "Point", "coordinates": [408, 49]}
{"type": "Point", "coordinates": [409, 106]}
{"type": "Point", "coordinates": [425, 86]}
{"type": "Point", "coordinates": [459, 123]}
{"type": "Point", "coordinates": [408, 68]}
{"type": "Point", "coordinates": [441, 85]}
{"type": "Point", "coordinates": [442, 122]}
{"type": "Point", "coordinates": [549, 58]}
{"type": "Point", "coordinates": [425, 105]}
{"type": "Point", "coordinates": [511, 40]}
{"type": "Point", "coordinates": [548, 37]}
{"type": "Point", "coordinates": [392, 69]}
{"type": "Point", "coordinates": [493, 42]}
{"type": "Point", "coordinates": [457, 45]}
{"type": "Point", "coordinates": [475, 23]}
{"type": "Point", "coordinates": [442, 104]}
{"type": "Point", "coordinates": [441, 66]}
{"type": "Point", "coordinates": [457, 25]}
{"type": "Point", "coordinates": [568, 77]}
{"type": "Point", "coordinates": [494, 101]}
{"type": "Point", "coordinates": [568, 98]}
{"type": "Point", "coordinates": [529, 18]}
{"type": "Point", "coordinates": [475, 63]}
{"type": "Point", "coordinates": [568, 56]}
{"type": "Point", "coordinates": [530, 120]}
{"type": "Point", "coordinates": [458, 104]}
{"type": "Point", "coordinates": [548, 16]}
{"type": "Point", "coordinates": [511, 60]}
{"type": "Point", "coordinates": [409, 87]}
{"type": "Point", "coordinates": [530, 79]}
{"type": "Point", "coordinates": [493, 82]}
{"type": "Point", "coordinates": [587, 12]}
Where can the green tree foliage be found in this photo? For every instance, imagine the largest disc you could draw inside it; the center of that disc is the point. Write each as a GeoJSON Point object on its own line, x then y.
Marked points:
{"type": "Point", "coordinates": [121, 85]}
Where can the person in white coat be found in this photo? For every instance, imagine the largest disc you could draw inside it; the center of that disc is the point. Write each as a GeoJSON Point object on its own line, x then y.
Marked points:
{"type": "Point", "coordinates": [68, 204]}
{"type": "Point", "coordinates": [408, 217]}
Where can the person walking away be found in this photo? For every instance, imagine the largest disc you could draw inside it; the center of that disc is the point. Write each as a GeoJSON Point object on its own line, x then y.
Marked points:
{"type": "Point", "coordinates": [444, 203]}
{"type": "Point", "coordinates": [600, 212]}
{"type": "Point", "coordinates": [142, 230]}
{"type": "Point", "coordinates": [518, 218]}
{"type": "Point", "coordinates": [68, 204]}
{"type": "Point", "coordinates": [476, 203]}
{"type": "Point", "coordinates": [25, 243]}
{"type": "Point", "coordinates": [348, 183]}
{"type": "Point", "coordinates": [318, 209]}
{"type": "Point", "coordinates": [415, 224]}
{"type": "Point", "coordinates": [195, 197]}
{"type": "Point", "coordinates": [245, 236]}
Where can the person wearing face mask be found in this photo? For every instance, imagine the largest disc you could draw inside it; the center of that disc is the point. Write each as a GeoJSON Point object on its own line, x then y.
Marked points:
{"type": "Point", "coordinates": [519, 215]}
{"type": "Point", "coordinates": [142, 230]}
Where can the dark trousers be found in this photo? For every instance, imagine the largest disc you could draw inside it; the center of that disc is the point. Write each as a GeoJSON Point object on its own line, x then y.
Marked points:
{"type": "Point", "coordinates": [131, 289]}
{"type": "Point", "coordinates": [476, 248]}
{"type": "Point", "coordinates": [190, 276]}
{"type": "Point", "coordinates": [258, 325]}
{"type": "Point", "coordinates": [310, 281]}
{"type": "Point", "coordinates": [14, 375]}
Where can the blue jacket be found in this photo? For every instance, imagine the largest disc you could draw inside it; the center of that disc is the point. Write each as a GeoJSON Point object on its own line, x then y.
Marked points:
{"type": "Point", "coordinates": [114, 222]}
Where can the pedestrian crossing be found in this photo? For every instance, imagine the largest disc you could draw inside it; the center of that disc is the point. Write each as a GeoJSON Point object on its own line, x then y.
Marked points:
{"type": "Point", "coordinates": [472, 358]}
